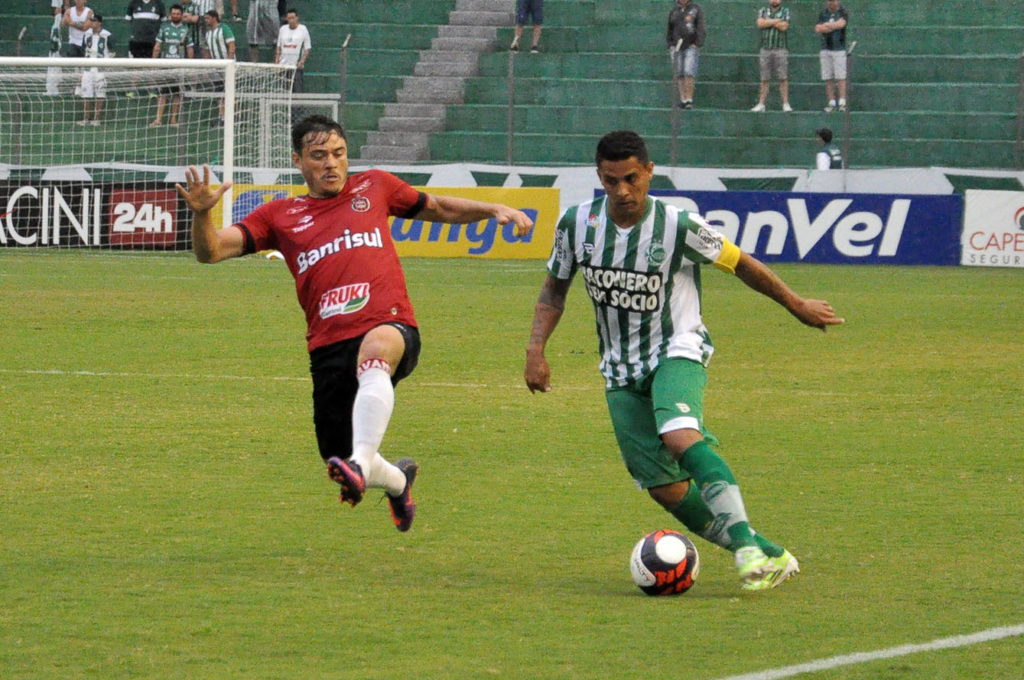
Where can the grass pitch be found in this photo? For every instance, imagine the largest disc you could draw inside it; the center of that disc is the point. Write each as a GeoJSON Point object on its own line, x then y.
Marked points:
{"type": "Point", "coordinates": [164, 513]}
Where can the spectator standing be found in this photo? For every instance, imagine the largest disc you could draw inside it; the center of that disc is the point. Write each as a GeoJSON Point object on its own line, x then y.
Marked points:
{"type": "Point", "coordinates": [832, 27]}
{"type": "Point", "coordinates": [77, 20]}
{"type": "Point", "coordinates": [220, 39]}
{"type": "Point", "coordinates": [194, 14]}
{"type": "Point", "coordinates": [220, 44]}
{"type": "Point", "coordinates": [93, 89]}
{"type": "Point", "coordinates": [773, 21]}
{"type": "Point", "coordinates": [53, 72]}
{"type": "Point", "coordinates": [172, 42]}
{"type": "Point", "coordinates": [145, 17]}
{"type": "Point", "coordinates": [829, 157]}
{"type": "Point", "coordinates": [685, 36]}
{"type": "Point", "coordinates": [262, 25]}
{"type": "Point", "coordinates": [293, 47]}
{"type": "Point", "coordinates": [534, 10]}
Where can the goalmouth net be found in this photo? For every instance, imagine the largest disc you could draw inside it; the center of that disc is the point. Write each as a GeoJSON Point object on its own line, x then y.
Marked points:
{"type": "Point", "coordinates": [91, 148]}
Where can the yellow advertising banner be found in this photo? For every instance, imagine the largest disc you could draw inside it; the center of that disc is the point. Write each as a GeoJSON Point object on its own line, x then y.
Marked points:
{"type": "Point", "coordinates": [416, 238]}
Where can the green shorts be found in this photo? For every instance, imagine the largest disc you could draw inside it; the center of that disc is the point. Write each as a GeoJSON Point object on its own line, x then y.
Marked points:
{"type": "Point", "coordinates": [671, 398]}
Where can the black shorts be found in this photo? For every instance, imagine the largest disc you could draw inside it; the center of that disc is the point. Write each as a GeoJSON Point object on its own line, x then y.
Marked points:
{"type": "Point", "coordinates": [141, 50]}
{"type": "Point", "coordinates": [334, 388]}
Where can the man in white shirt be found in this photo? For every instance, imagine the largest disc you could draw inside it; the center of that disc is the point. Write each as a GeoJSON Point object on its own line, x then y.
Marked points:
{"type": "Point", "coordinates": [293, 47]}
{"type": "Point", "coordinates": [77, 20]}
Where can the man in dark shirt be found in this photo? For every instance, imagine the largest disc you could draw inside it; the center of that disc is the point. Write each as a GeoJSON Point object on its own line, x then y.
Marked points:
{"type": "Point", "coordinates": [685, 37]}
{"type": "Point", "coordinates": [831, 27]}
{"type": "Point", "coordinates": [145, 17]}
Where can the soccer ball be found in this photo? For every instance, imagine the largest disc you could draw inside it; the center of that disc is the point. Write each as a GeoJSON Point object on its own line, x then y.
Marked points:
{"type": "Point", "coordinates": [664, 562]}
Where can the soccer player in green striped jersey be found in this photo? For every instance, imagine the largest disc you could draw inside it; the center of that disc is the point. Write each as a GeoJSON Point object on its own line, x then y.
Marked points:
{"type": "Point", "coordinates": [640, 260]}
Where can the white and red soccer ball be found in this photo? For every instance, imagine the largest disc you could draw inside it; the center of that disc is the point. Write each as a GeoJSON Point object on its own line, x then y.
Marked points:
{"type": "Point", "coordinates": [664, 562]}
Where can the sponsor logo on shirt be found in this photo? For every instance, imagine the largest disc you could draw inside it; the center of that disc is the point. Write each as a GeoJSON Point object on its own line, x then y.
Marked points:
{"type": "Point", "coordinates": [710, 238]}
{"type": "Point", "coordinates": [344, 300]}
{"type": "Point", "coordinates": [347, 241]}
{"type": "Point", "coordinates": [623, 289]}
{"type": "Point", "coordinates": [305, 222]}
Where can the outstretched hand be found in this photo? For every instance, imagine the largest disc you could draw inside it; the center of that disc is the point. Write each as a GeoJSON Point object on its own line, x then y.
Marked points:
{"type": "Point", "coordinates": [523, 223]}
{"type": "Point", "coordinates": [199, 195]}
{"type": "Point", "coordinates": [817, 314]}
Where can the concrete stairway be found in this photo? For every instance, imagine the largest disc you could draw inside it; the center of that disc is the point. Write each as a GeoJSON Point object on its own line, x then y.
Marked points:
{"type": "Point", "coordinates": [438, 80]}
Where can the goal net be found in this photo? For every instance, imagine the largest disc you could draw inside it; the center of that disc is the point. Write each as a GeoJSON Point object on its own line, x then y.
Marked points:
{"type": "Point", "coordinates": [90, 149]}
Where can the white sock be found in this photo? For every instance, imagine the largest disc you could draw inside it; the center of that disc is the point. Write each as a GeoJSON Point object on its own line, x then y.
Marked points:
{"type": "Point", "coordinates": [842, 102]}
{"type": "Point", "coordinates": [371, 412]}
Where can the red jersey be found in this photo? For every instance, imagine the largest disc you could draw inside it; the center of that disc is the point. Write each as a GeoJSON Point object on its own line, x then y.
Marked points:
{"type": "Point", "coordinates": [347, 274]}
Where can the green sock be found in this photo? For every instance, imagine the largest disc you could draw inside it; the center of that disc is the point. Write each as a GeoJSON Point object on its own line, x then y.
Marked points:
{"type": "Point", "coordinates": [770, 549]}
{"type": "Point", "coordinates": [721, 495]}
{"type": "Point", "coordinates": [694, 514]}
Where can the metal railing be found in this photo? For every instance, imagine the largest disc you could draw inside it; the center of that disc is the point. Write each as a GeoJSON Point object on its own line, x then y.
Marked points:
{"type": "Point", "coordinates": [1018, 149]}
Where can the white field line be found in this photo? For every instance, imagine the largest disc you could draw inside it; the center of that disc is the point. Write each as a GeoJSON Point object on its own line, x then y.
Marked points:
{"type": "Point", "coordinates": [255, 378]}
{"type": "Point", "coordinates": [892, 652]}
{"type": "Point", "coordinates": [597, 385]}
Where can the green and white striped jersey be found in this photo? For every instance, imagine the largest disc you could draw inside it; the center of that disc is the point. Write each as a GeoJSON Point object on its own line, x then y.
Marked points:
{"type": "Point", "coordinates": [217, 40]}
{"type": "Point", "coordinates": [644, 282]}
{"type": "Point", "coordinates": [772, 38]}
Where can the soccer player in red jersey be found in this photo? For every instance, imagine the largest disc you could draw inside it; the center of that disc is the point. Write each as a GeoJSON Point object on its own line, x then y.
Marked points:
{"type": "Point", "coordinates": [362, 335]}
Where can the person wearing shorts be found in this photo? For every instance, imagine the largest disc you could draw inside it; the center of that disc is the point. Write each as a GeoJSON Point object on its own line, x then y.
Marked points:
{"type": "Point", "coordinates": [640, 259]}
{"type": "Point", "coordinates": [262, 26]}
{"type": "Point", "coordinates": [534, 11]}
{"type": "Point", "coordinates": [831, 27]}
{"type": "Point", "coordinates": [93, 88]}
{"type": "Point", "coordinates": [361, 328]}
{"type": "Point", "coordinates": [172, 42]}
{"type": "Point", "coordinates": [685, 36]}
{"type": "Point", "coordinates": [773, 22]}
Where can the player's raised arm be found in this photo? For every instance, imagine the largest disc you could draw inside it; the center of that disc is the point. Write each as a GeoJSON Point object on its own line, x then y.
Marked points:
{"type": "Point", "coordinates": [815, 313]}
{"type": "Point", "coordinates": [455, 210]}
{"type": "Point", "coordinates": [209, 244]}
{"type": "Point", "coordinates": [546, 315]}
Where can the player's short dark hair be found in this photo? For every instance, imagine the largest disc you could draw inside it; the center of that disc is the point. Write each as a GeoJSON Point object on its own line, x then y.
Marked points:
{"type": "Point", "coordinates": [314, 124]}
{"type": "Point", "coordinates": [175, 7]}
{"type": "Point", "coordinates": [213, 14]}
{"type": "Point", "coordinates": [97, 17]}
{"type": "Point", "coordinates": [291, 10]}
{"type": "Point", "coordinates": [620, 145]}
{"type": "Point", "coordinates": [825, 134]}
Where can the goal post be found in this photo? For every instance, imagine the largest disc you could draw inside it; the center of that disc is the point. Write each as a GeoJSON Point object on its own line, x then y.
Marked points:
{"type": "Point", "coordinates": [90, 149]}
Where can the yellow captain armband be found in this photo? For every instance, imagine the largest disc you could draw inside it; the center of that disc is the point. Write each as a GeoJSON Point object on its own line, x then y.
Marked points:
{"type": "Point", "coordinates": [729, 257]}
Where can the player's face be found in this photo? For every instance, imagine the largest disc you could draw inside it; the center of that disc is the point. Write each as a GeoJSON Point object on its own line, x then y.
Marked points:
{"type": "Point", "coordinates": [293, 19]}
{"type": "Point", "coordinates": [176, 16]}
{"type": "Point", "coordinates": [323, 163]}
{"type": "Point", "coordinates": [626, 183]}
